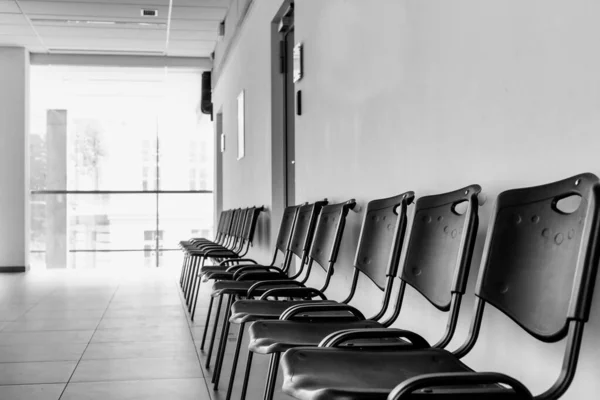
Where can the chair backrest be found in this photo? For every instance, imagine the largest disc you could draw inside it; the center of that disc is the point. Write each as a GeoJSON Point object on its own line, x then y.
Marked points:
{"type": "Point", "coordinates": [239, 220]}
{"type": "Point", "coordinates": [221, 225]}
{"type": "Point", "coordinates": [249, 226]}
{"type": "Point", "coordinates": [305, 228]}
{"type": "Point", "coordinates": [540, 261]}
{"type": "Point", "coordinates": [288, 221]}
{"type": "Point", "coordinates": [440, 245]}
{"type": "Point", "coordinates": [381, 237]}
{"type": "Point", "coordinates": [328, 234]}
{"type": "Point", "coordinates": [232, 222]}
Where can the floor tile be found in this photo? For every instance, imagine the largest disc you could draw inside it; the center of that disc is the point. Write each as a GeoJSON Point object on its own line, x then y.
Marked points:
{"type": "Point", "coordinates": [45, 337]}
{"type": "Point", "coordinates": [157, 312]}
{"type": "Point", "coordinates": [62, 314]}
{"type": "Point", "coordinates": [36, 372]}
{"type": "Point", "coordinates": [163, 334]}
{"type": "Point", "coordinates": [32, 392]}
{"type": "Point", "coordinates": [62, 324]}
{"type": "Point", "coordinates": [175, 389]}
{"type": "Point", "coordinates": [142, 322]}
{"type": "Point", "coordinates": [137, 369]}
{"type": "Point", "coordinates": [42, 352]}
{"type": "Point", "coordinates": [100, 351]}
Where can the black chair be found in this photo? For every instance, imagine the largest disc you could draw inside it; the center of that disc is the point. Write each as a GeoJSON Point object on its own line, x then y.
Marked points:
{"type": "Point", "coordinates": [227, 268]}
{"type": "Point", "coordinates": [232, 231]}
{"type": "Point", "coordinates": [244, 235]}
{"type": "Point", "coordinates": [296, 231]}
{"type": "Point", "coordinates": [219, 235]}
{"type": "Point", "coordinates": [539, 268]}
{"type": "Point", "coordinates": [220, 239]}
{"type": "Point", "coordinates": [309, 224]}
{"type": "Point", "coordinates": [440, 247]}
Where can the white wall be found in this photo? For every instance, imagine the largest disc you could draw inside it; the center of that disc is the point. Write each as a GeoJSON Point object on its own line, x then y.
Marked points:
{"type": "Point", "coordinates": [14, 91]}
{"type": "Point", "coordinates": [247, 181]}
{"type": "Point", "coordinates": [432, 95]}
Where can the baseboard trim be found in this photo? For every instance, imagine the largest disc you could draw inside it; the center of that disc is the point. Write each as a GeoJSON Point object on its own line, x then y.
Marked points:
{"type": "Point", "coordinates": [13, 269]}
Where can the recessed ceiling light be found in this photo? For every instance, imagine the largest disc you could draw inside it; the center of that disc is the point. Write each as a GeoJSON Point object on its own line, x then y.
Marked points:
{"type": "Point", "coordinates": [98, 22]}
{"type": "Point", "coordinates": [149, 13]}
{"type": "Point", "coordinates": [101, 22]}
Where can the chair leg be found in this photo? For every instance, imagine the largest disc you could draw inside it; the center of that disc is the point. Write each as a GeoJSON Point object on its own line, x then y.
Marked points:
{"type": "Point", "coordinates": [192, 283]}
{"type": "Point", "coordinates": [210, 304]}
{"type": "Point", "coordinates": [183, 265]}
{"type": "Point", "coordinates": [196, 293]}
{"type": "Point", "coordinates": [186, 270]}
{"type": "Point", "coordinates": [222, 344]}
{"type": "Point", "coordinates": [246, 375]}
{"type": "Point", "coordinates": [236, 357]}
{"type": "Point", "coordinates": [272, 376]}
{"type": "Point", "coordinates": [270, 384]}
{"type": "Point", "coordinates": [190, 279]}
{"type": "Point", "coordinates": [214, 333]}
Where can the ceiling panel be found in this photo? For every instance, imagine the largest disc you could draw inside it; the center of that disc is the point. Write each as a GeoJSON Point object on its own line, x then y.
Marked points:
{"type": "Point", "coordinates": [103, 44]}
{"type": "Point", "coordinates": [198, 13]}
{"type": "Point", "coordinates": [112, 25]}
{"type": "Point", "coordinates": [197, 3]}
{"type": "Point", "coordinates": [13, 40]}
{"type": "Point", "coordinates": [9, 6]}
{"type": "Point", "coordinates": [93, 33]}
{"type": "Point", "coordinates": [12, 19]}
{"type": "Point", "coordinates": [16, 30]}
{"type": "Point", "coordinates": [95, 10]}
{"type": "Point", "coordinates": [208, 26]}
{"type": "Point", "coordinates": [198, 36]}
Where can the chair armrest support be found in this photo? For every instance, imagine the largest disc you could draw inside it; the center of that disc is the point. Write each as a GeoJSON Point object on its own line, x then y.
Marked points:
{"type": "Point", "coordinates": [235, 268]}
{"type": "Point", "coordinates": [258, 276]}
{"type": "Point", "coordinates": [337, 338]}
{"type": "Point", "coordinates": [449, 379]}
{"type": "Point", "coordinates": [302, 308]}
{"type": "Point", "coordinates": [251, 268]}
{"type": "Point", "coordinates": [276, 282]}
{"type": "Point", "coordinates": [293, 292]}
{"type": "Point", "coordinates": [237, 260]}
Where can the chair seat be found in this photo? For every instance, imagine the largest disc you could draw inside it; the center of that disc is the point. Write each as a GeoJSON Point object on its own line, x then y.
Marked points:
{"type": "Point", "coordinates": [278, 336]}
{"type": "Point", "coordinates": [254, 310]}
{"type": "Point", "coordinates": [212, 268]}
{"type": "Point", "coordinates": [341, 373]}
{"type": "Point", "coordinates": [218, 276]}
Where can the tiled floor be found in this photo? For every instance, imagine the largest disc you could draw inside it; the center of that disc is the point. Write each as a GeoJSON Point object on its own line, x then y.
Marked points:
{"type": "Point", "coordinates": [88, 335]}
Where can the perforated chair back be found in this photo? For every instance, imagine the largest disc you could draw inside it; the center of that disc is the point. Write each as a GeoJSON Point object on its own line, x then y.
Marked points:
{"type": "Point", "coordinates": [328, 234]}
{"type": "Point", "coordinates": [540, 262]}
{"type": "Point", "coordinates": [381, 237]}
{"type": "Point", "coordinates": [286, 228]}
{"type": "Point", "coordinates": [305, 228]}
{"type": "Point", "coordinates": [440, 245]}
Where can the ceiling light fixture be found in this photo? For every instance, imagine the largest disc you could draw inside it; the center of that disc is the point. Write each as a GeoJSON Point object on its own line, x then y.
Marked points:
{"type": "Point", "coordinates": [97, 22]}
{"type": "Point", "coordinates": [149, 13]}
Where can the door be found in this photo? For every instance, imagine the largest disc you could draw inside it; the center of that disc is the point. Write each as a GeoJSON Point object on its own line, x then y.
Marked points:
{"type": "Point", "coordinates": [290, 114]}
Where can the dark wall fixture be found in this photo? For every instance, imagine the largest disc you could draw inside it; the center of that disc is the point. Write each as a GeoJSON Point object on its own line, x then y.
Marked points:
{"type": "Point", "coordinates": [206, 105]}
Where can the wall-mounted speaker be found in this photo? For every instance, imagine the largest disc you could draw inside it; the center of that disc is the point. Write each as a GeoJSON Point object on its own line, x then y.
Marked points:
{"type": "Point", "coordinates": [206, 105]}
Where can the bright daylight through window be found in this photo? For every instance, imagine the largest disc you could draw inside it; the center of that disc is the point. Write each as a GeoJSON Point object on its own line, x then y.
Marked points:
{"type": "Point", "coordinates": [121, 166]}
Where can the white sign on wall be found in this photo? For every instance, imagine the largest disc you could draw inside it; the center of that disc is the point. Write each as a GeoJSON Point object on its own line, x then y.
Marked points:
{"type": "Point", "coordinates": [241, 127]}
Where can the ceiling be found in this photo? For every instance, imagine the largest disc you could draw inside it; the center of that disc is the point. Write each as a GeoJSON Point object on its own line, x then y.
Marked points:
{"type": "Point", "coordinates": [182, 28]}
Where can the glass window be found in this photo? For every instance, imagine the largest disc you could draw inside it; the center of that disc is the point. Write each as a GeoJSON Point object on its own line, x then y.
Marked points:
{"type": "Point", "coordinates": [120, 167]}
